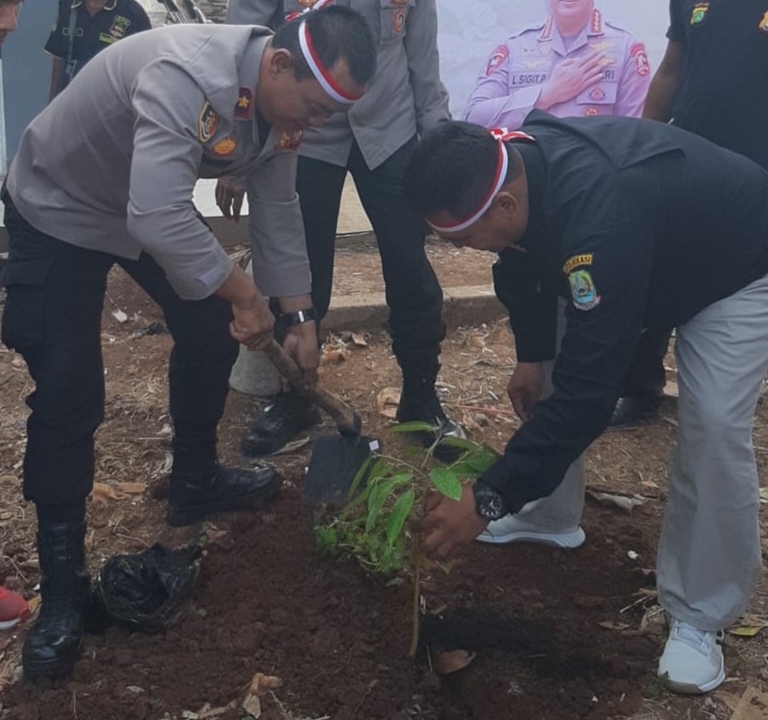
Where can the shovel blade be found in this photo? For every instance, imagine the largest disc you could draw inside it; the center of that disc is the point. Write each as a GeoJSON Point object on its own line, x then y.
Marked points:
{"type": "Point", "coordinates": [333, 465]}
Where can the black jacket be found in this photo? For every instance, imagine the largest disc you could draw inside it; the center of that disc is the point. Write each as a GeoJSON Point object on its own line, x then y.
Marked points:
{"type": "Point", "coordinates": [639, 225]}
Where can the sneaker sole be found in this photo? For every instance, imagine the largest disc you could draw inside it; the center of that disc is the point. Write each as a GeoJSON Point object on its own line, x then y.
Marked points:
{"type": "Point", "coordinates": [190, 514]}
{"type": "Point", "coordinates": [691, 689]}
{"type": "Point", "coordinates": [8, 624]}
{"type": "Point", "coordinates": [566, 540]}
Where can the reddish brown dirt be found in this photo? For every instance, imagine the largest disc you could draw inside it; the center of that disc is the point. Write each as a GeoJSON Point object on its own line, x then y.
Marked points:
{"type": "Point", "coordinates": [336, 637]}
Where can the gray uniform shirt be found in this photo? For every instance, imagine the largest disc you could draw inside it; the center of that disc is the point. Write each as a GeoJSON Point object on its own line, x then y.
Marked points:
{"type": "Point", "coordinates": [112, 163]}
{"type": "Point", "coordinates": [406, 96]}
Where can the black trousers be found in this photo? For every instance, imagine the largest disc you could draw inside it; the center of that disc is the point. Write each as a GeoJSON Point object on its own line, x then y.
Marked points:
{"type": "Point", "coordinates": [413, 293]}
{"type": "Point", "coordinates": [646, 376]}
{"type": "Point", "coordinates": [55, 296]}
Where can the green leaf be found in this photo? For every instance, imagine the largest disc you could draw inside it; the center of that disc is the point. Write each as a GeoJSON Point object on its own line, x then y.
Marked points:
{"type": "Point", "coordinates": [457, 442]}
{"type": "Point", "coordinates": [359, 475]}
{"type": "Point", "coordinates": [415, 426]}
{"type": "Point", "coordinates": [379, 495]}
{"type": "Point", "coordinates": [480, 459]}
{"type": "Point", "coordinates": [399, 514]}
{"type": "Point", "coordinates": [447, 482]}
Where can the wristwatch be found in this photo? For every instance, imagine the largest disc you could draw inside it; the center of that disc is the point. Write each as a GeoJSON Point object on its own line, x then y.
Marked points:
{"type": "Point", "coordinates": [489, 502]}
{"type": "Point", "coordinates": [296, 318]}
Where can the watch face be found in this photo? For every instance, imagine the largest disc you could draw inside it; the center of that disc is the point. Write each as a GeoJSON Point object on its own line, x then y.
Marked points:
{"type": "Point", "coordinates": [490, 504]}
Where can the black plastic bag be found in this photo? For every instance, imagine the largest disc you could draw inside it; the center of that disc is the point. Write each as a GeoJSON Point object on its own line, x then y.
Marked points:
{"type": "Point", "coordinates": [145, 591]}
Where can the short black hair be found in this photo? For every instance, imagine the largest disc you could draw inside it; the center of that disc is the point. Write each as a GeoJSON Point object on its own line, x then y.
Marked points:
{"type": "Point", "coordinates": [338, 33]}
{"type": "Point", "coordinates": [452, 169]}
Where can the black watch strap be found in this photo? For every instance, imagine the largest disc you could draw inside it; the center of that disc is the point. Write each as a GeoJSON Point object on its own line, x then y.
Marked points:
{"type": "Point", "coordinates": [296, 318]}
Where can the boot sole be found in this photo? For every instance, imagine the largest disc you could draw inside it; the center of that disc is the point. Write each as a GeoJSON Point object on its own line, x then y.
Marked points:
{"type": "Point", "coordinates": [52, 669]}
{"type": "Point", "coordinates": [188, 515]}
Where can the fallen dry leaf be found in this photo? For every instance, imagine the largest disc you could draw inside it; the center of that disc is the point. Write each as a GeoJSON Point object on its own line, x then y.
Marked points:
{"type": "Point", "coordinates": [359, 340]}
{"type": "Point", "coordinates": [210, 712]}
{"type": "Point", "coordinates": [34, 603]}
{"type": "Point", "coordinates": [451, 661]}
{"type": "Point", "coordinates": [335, 355]}
{"type": "Point", "coordinates": [132, 488]}
{"type": "Point", "coordinates": [747, 626]}
{"type": "Point", "coordinates": [387, 401]}
{"type": "Point", "coordinates": [9, 480]}
{"type": "Point", "coordinates": [611, 625]}
{"type": "Point", "coordinates": [103, 493]}
{"type": "Point", "coordinates": [259, 686]}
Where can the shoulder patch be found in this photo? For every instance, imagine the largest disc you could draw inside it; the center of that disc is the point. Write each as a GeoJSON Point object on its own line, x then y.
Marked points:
{"type": "Point", "coordinates": [577, 260]}
{"type": "Point", "coordinates": [498, 56]}
{"type": "Point", "coordinates": [207, 123]}
{"type": "Point", "coordinates": [642, 65]}
{"type": "Point", "coordinates": [583, 290]}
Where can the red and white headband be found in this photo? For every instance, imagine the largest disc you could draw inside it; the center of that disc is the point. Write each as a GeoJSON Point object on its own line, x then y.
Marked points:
{"type": "Point", "coordinates": [321, 73]}
{"type": "Point", "coordinates": [502, 165]}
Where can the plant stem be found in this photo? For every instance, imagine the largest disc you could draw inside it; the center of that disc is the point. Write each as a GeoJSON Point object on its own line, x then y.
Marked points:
{"type": "Point", "coordinates": [415, 608]}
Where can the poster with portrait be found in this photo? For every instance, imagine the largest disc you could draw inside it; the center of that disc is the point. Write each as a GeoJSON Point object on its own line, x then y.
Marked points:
{"type": "Point", "coordinates": [570, 57]}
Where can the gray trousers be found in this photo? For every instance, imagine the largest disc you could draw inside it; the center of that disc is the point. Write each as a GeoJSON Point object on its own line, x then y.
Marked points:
{"type": "Point", "coordinates": [709, 557]}
{"type": "Point", "coordinates": [560, 511]}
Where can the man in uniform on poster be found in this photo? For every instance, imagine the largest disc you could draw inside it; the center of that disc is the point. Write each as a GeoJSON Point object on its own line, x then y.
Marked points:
{"type": "Point", "coordinates": [575, 63]}
{"type": "Point", "coordinates": [148, 117]}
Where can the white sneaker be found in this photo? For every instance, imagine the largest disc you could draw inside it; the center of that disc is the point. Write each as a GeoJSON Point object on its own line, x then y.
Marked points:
{"type": "Point", "coordinates": [511, 528]}
{"type": "Point", "coordinates": [692, 659]}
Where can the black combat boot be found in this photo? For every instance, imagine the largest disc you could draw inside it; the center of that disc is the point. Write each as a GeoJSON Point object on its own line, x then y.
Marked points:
{"type": "Point", "coordinates": [55, 640]}
{"type": "Point", "coordinates": [199, 486]}
{"type": "Point", "coordinates": [419, 402]}
{"type": "Point", "coordinates": [283, 419]}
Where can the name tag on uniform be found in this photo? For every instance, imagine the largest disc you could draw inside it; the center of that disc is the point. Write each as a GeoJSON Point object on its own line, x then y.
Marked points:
{"type": "Point", "coordinates": [525, 79]}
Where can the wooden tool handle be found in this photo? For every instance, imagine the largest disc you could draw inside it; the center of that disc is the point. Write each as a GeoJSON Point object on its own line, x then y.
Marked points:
{"type": "Point", "coordinates": [344, 416]}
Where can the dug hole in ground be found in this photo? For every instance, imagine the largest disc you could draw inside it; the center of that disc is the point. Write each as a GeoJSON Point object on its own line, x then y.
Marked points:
{"type": "Point", "coordinates": [551, 634]}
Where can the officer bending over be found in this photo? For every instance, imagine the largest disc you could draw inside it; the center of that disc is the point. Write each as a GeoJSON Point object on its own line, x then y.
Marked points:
{"type": "Point", "coordinates": [147, 118]}
{"type": "Point", "coordinates": [625, 218]}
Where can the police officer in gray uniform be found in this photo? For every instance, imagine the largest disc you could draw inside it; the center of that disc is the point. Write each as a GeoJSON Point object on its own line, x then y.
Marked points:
{"type": "Point", "coordinates": [148, 117]}
{"type": "Point", "coordinates": [373, 142]}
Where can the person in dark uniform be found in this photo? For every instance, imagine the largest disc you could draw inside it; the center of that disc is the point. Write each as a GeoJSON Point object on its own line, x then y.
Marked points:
{"type": "Point", "coordinates": [9, 16]}
{"type": "Point", "coordinates": [84, 28]}
{"type": "Point", "coordinates": [707, 83]}
{"type": "Point", "coordinates": [147, 118]}
{"type": "Point", "coordinates": [638, 225]}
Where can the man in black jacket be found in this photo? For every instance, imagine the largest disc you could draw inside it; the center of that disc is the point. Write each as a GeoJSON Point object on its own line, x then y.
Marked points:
{"type": "Point", "coordinates": [627, 220]}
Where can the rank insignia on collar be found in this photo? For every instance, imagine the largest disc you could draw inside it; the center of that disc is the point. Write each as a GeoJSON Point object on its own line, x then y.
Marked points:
{"type": "Point", "coordinates": [583, 290]}
{"type": "Point", "coordinates": [206, 123]}
{"type": "Point", "coordinates": [290, 141]}
{"type": "Point", "coordinates": [225, 147]}
{"type": "Point", "coordinates": [699, 13]}
{"type": "Point", "coordinates": [244, 105]}
{"type": "Point", "coordinates": [764, 23]}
